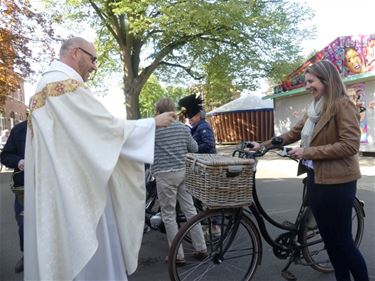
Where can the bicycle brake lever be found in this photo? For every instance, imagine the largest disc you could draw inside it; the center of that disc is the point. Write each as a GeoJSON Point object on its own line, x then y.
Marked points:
{"type": "Point", "coordinates": [246, 144]}
{"type": "Point", "coordinates": [284, 152]}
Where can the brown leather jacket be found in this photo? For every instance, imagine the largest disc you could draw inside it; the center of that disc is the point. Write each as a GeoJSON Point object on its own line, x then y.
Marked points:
{"type": "Point", "coordinates": [334, 145]}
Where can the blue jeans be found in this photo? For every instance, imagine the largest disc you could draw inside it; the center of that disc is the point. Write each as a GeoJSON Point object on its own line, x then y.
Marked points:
{"type": "Point", "coordinates": [332, 205]}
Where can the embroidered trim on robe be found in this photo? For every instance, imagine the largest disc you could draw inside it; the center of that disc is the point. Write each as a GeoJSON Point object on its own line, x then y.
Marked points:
{"type": "Point", "coordinates": [54, 89]}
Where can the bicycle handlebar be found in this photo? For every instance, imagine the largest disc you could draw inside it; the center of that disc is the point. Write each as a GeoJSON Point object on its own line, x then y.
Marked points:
{"type": "Point", "coordinates": [249, 154]}
{"type": "Point", "coordinates": [246, 144]}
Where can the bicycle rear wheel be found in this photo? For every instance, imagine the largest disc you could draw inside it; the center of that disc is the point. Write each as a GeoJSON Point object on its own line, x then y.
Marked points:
{"type": "Point", "coordinates": [316, 254]}
{"type": "Point", "coordinates": [234, 252]}
{"type": "Point", "coordinates": [181, 219]}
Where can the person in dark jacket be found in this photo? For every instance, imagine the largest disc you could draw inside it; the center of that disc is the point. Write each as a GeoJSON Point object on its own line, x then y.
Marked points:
{"type": "Point", "coordinates": [192, 107]}
{"type": "Point", "coordinates": [12, 157]}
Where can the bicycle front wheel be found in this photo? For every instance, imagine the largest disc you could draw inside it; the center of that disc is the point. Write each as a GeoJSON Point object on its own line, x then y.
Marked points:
{"type": "Point", "coordinates": [233, 252]}
{"type": "Point", "coordinates": [316, 254]}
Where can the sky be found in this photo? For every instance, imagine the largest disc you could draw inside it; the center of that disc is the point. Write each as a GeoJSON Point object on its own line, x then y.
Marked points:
{"type": "Point", "coordinates": [333, 18]}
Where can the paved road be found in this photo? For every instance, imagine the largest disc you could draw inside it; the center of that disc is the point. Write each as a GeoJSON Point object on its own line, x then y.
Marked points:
{"type": "Point", "coordinates": [280, 192]}
{"type": "Point", "coordinates": [281, 199]}
{"type": "Point", "coordinates": [9, 245]}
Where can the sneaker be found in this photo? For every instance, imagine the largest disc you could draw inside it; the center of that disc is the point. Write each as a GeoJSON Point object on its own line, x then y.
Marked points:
{"type": "Point", "coordinates": [19, 266]}
{"type": "Point", "coordinates": [146, 228]}
{"type": "Point", "coordinates": [215, 231]}
{"type": "Point", "coordinates": [179, 262]}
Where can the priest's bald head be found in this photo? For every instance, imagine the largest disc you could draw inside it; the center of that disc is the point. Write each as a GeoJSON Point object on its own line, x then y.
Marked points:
{"type": "Point", "coordinates": [80, 55]}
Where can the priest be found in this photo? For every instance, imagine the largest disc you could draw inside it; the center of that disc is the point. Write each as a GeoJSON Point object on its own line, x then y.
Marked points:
{"type": "Point", "coordinates": [84, 180]}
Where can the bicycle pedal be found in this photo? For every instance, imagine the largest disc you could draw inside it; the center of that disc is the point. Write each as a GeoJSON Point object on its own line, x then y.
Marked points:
{"type": "Point", "coordinates": [288, 276]}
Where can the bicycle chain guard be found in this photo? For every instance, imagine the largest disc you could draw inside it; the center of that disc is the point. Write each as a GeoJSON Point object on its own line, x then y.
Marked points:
{"type": "Point", "coordinates": [285, 239]}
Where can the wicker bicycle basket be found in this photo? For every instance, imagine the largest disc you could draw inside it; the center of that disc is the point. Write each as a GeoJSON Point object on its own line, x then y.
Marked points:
{"type": "Point", "coordinates": [219, 181]}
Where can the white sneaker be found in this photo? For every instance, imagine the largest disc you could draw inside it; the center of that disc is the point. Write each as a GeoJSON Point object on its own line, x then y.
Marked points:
{"type": "Point", "coordinates": [215, 231]}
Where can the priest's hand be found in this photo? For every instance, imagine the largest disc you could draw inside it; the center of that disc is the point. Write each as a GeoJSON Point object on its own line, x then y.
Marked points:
{"type": "Point", "coordinates": [165, 119]}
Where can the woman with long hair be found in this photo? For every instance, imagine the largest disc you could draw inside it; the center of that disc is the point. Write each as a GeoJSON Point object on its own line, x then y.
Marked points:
{"type": "Point", "coordinates": [330, 138]}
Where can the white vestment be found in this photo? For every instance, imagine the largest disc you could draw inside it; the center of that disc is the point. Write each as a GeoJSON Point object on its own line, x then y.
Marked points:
{"type": "Point", "coordinates": [84, 183]}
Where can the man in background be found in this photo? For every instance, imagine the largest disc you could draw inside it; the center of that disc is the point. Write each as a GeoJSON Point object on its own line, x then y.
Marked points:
{"type": "Point", "coordinates": [192, 107]}
{"type": "Point", "coordinates": [12, 156]}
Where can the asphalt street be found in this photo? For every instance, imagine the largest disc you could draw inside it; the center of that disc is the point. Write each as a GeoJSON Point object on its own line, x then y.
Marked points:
{"type": "Point", "coordinates": [280, 193]}
{"type": "Point", "coordinates": [9, 242]}
{"type": "Point", "coordinates": [281, 198]}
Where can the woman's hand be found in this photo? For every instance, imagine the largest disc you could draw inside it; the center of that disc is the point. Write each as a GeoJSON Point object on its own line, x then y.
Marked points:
{"type": "Point", "coordinates": [256, 146]}
{"type": "Point", "coordinates": [296, 153]}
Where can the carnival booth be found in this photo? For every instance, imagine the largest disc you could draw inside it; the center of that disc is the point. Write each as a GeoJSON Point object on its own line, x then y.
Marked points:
{"type": "Point", "coordinates": [246, 118]}
{"type": "Point", "coordinates": [354, 57]}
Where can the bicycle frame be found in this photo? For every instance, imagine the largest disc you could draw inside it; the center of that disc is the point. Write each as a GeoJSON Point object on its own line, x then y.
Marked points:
{"type": "Point", "coordinates": [293, 230]}
{"type": "Point", "coordinates": [257, 210]}
{"type": "Point", "coordinates": [261, 216]}
{"type": "Point", "coordinates": [300, 241]}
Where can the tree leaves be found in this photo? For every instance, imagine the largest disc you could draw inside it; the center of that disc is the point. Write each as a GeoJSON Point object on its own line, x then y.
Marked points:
{"type": "Point", "coordinates": [25, 37]}
{"type": "Point", "coordinates": [176, 39]}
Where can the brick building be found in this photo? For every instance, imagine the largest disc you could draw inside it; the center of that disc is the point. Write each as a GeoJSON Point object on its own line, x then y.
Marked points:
{"type": "Point", "coordinates": [12, 102]}
{"type": "Point", "coordinates": [12, 108]}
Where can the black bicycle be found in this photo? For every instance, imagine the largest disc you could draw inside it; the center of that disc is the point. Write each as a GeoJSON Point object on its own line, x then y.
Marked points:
{"type": "Point", "coordinates": [237, 251]}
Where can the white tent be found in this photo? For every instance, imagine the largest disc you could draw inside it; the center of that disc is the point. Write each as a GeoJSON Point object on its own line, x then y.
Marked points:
{"type": "Point", "coordinates": [245, 103]}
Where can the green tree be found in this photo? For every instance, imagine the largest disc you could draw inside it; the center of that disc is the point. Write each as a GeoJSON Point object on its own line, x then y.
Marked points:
{"type": "Point", "coordinates": [176, 93]}
{"type": "Point", "coordinates": [153, 91]}
{"type": "Point", "coordinates": [175, 38]}
{"type": "Point", "coordinates": [150, 94]}
{"type": "Point", "coordinates": [219, 87]}
{"type": "Point", "coordinates": [279, 70]}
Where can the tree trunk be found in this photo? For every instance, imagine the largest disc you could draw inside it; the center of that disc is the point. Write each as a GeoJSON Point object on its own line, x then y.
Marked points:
{"type": "Point", "coordinates": [131, 93]}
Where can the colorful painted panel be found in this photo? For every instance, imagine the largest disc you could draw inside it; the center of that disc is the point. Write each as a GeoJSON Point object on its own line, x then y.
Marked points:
{"type": "Point", "coordinates": [351, 54]}
{"type": "Point", "coordinates": [358, 95]}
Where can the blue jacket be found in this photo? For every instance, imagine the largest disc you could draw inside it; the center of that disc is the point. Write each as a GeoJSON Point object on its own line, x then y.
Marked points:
{"type": "Point", "coordinates": [204, 136]}
{"type": "Point", "coordinates": [14, 151]}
